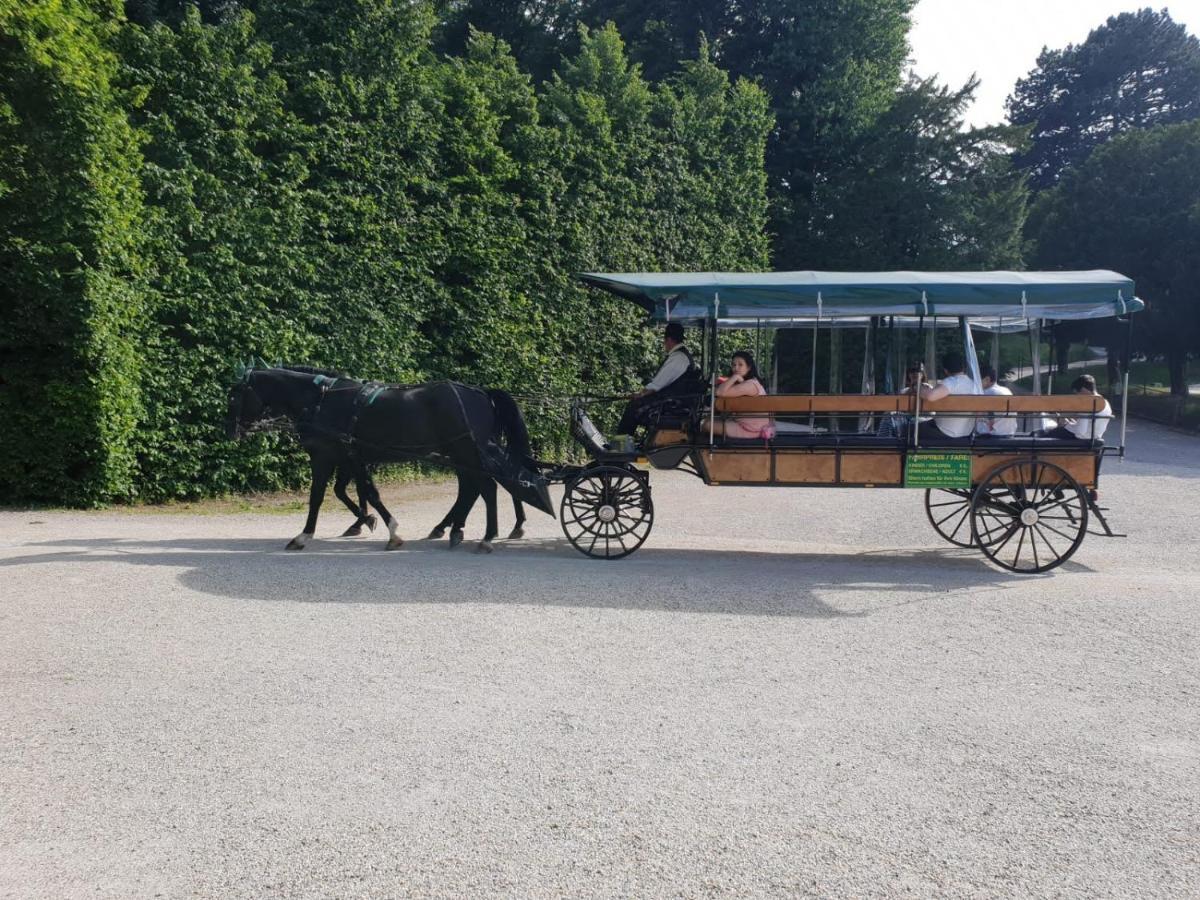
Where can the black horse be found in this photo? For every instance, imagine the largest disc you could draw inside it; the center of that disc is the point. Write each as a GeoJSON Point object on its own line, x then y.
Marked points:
{"type": "Point", "coordinates": [347, 425]}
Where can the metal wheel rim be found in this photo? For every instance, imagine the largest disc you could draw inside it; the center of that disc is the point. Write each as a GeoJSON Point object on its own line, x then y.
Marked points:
{"type": "Point", "coordinates": [1058, 528]}
{"type": "Point", "coordinates": [626, 493]}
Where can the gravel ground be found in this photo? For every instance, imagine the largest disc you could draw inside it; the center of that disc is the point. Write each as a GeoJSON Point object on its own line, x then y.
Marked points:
{"type": "Point", "coordinates": [785, 692]}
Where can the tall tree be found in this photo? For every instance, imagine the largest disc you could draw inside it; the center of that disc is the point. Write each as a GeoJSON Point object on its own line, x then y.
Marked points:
{"type": "Point", "coordinates": [1138, 70]}
{"type": "Point", "coordinates": [916, 190]}
{"type": "Point", "coordinates": [1134, 205]}
{"type": "Point", "coordinates": [539, 32]}
{"type": "Point", "coordinates": [830, 67]}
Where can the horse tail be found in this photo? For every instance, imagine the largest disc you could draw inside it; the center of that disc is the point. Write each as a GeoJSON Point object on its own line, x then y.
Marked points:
{"type": "Point", "coordinates": [512, 424]}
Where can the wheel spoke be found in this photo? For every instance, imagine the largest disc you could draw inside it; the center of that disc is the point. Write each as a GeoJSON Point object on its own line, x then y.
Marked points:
{"type": "Point", "coordinates": [1042, 523]}
{"type": "Point", "coordinates": [1020, 544]}
{"type": "Point", "coordinates": [958, 527]}
{"type": "Point", "coordinates": [938, 523]}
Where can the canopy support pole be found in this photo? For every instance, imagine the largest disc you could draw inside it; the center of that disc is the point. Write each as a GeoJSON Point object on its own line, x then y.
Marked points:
{"type": "Point", "coordinates": [931, 350]}
{"type": "Point", "coordinates": [712, 394]}
{"type": "Point", "coordinates": [812, 385]}
{"type": "Point", "coordinates": [916, 429]}
{"type": "Point", "coordinates": [1125, 357]}
{"type": "Point", "coordinates": [1035, 355]}
{"type": "Point", "coordinates": [835, 369]}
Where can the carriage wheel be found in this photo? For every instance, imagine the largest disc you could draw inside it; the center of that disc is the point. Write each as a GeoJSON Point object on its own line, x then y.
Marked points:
{"type": "Point", "coordinates": [606, 511]}
{"type": "Point", "coordinates": [949, 513]}
{"type": "Point", "coordinates": [1029, 516]}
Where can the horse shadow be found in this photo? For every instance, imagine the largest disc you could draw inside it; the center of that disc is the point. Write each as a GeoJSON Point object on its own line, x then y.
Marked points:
{"type": "Point", "coordinates": [547, 572]}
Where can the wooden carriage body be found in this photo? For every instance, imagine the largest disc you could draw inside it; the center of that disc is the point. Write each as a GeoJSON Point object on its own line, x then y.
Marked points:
{"type": "Point", "coordinates": [836, 459]}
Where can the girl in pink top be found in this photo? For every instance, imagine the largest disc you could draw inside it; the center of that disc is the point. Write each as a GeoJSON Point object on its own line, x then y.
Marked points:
{"type": "Point", "coordinates": [743, 383]}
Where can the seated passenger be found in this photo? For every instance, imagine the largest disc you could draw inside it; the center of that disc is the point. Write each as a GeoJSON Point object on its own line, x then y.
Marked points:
{"type": "Point", "coordinates": [913, 380]}
{"type": "Point", "coordinates": [995, 426]}
{"type": "Point", "coordinates": [955, 381]}
{"type": "Point", "coordinates": [1086, 428]}
{"type": "Point", "coordinates": [742, 382]}
{"type": "Point", "coordinates": [893, 424]}
{"type": "Point", "coordinates": [668, 381]}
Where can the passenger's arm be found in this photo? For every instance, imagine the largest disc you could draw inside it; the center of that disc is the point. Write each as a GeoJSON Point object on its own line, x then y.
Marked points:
{"type": "Point", "coordinates": [934, 393]}
{"type": "Point", "coordinates": [739, 389]}
{"type": "Point", "coordinates": [726, 387]}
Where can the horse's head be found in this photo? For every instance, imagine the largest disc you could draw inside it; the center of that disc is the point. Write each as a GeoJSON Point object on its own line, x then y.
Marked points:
{"type": "Point", "coordinates": [255, 402]}
{"type": "Point", "coordinates": [244, 406]}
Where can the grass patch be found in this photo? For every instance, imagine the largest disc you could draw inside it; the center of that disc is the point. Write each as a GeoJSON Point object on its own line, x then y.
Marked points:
{"type": "Point", "coordinates": [391, 480]}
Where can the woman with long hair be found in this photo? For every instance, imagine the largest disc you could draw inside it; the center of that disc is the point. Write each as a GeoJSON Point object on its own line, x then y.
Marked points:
{"type": "Point", "coordinates": [743, 382]}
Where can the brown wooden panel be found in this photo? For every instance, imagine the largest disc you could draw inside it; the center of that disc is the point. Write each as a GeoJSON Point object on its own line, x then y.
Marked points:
{"type": "Point", "coordinates": [804, 403]}
{"type": "Point", "coordinates": [872, 468]}
{"type": "Point", "coordinates": [1065, 403]}
{"type": "Point", "coordinates": [1080, 466]}
{"type": "Point", "coordinates": [664, 437]}
{"type": "Point", "coordinates": [801, 468]}
{"type": "Point", "coordinates": [738, 465]}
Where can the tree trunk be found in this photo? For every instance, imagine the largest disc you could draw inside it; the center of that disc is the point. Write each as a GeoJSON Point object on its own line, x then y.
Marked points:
{"type": "Point", "coordinates": [1113, 366]}
{"type": "Point", "coordinates": [1176, 368]}
{"type": "Point", "coordinates": [1062, 353]}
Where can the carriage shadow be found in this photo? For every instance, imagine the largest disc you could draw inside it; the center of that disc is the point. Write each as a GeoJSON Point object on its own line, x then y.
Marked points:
{"type": "Point", "coordinates": [546, 571]}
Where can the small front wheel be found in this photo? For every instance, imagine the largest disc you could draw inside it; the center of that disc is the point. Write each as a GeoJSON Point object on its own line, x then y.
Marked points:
{"type": "Point", "coordinates": [1029, 516]}
{"type": "Point", "coordinates": [606, 511]}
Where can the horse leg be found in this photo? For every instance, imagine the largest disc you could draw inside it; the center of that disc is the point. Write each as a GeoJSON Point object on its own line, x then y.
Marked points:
{"type": "Point", "coordinates": [322, 469]}
{"type": "Point", "coordinates": [439, 530]}
{"type": "Point", "coordinates": [367, 488]}
{"type": "Point", "coordinates": [361, 518]}
{"type": "Point", "coordinates": [462, 509]}
{"type": "Point", "coordinates": [487, 487]}
{"type": "Point", "coordinates": [518, 529]}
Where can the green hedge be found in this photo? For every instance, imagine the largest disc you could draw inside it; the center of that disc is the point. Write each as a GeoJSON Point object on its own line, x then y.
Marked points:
{"type": "Point", "coordinates": [71, 302]}
{"type": "Point", "coordinates": [321, 188]}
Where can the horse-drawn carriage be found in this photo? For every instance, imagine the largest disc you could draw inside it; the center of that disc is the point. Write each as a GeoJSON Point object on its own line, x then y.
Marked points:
{"type": "Point", "coordinates": [1025, 501]}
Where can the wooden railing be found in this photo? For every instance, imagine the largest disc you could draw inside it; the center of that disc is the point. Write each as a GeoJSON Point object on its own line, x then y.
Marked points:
{"type": "Point", "coordinates": [850, 404]}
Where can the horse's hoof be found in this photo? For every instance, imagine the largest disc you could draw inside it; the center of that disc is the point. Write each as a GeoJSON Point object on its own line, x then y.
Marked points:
{"type": "Point", "coordinates": [516, 534]}
{"type": "Point", "coordinates": [456, 538]}
{"type": "Point", "coordinates": [394, 543]}
{"type": "Point", "coordinates": [437, 534]}
{"type": "Point", "coordinates": [484, 547]}
{"type": "Point", "coordinates": [371, 522]}
{"type": "Point", "coordinates": [352, 531]}
{"type": "Point", "coordinates": [294, 544]}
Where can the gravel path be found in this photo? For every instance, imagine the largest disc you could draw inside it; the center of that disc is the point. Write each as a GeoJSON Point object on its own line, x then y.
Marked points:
{"type": "Point", "coordinates": [785, 692]}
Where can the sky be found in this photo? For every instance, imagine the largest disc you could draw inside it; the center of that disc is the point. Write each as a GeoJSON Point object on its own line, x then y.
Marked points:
{"type": "Point", "coordinates": [999, 40]}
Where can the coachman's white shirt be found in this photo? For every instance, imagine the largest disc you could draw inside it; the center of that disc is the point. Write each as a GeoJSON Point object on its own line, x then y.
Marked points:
{"type": "Point", "coordinates": [671, 370]}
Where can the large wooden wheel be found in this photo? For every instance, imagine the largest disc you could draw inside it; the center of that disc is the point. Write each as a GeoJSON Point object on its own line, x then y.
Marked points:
{"type": "Point", "coordinates": [607, 512]}
{"type": "Point", "coordinates": [1029, 516]}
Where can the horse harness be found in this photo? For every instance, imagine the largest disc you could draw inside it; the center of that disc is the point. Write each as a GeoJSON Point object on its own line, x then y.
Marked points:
{"type": "Point", "coordinates": [368, 392]}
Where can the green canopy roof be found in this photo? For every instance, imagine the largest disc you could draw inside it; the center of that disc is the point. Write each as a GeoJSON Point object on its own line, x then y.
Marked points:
{"type": "Point", "coordinates": [783, 295]}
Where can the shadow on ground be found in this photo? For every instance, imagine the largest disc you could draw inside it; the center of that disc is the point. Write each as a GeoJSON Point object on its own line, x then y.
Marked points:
{"type": "Point", "coordinates": [542, 572]}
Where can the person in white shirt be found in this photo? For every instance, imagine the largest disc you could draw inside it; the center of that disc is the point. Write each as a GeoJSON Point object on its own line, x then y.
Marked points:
{"type": "Point", "coordinates": [1087, 428]}
{"type": "Point", "coordinates": [996, 426]}
{"type": "Point", "coordinates": [674, 367]}
{"type": "Point", "coordinates": [955, 381]}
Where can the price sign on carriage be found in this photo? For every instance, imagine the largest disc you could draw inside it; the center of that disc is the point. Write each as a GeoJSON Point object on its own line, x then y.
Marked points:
{"type": "Point", "coordinates": [937, 470]}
